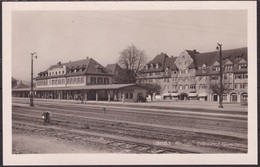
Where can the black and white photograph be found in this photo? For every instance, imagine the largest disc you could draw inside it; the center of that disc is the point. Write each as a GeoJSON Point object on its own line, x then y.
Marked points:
{"type": "Point", "coordinates": [129, 83]}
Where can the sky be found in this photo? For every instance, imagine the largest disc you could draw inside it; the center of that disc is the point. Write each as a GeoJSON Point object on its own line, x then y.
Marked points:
{"type": "Point", "coordinates": [74, 35]}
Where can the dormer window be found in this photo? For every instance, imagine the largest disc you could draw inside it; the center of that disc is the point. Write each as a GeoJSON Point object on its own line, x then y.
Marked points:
{"type": "Point", "coordinates": [157, 65]}
{"type": "Point", "coordinates": [151, 66]}
{"type": "Point", "coordinates": [215, 68]}
{"type": "Point", "coordinates": [242, 66]}
{"type": "Point", "coordinates": [146, 67]}
{"type": "Point", "coordinates": [228, 67]}
{"type": "Point", "coordinates": [238, 58]}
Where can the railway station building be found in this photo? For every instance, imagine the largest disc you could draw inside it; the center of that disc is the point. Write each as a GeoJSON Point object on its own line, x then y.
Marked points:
{"type": "Point", "coordinates": [193, 75]}
{"type": "Point", "coordinates": [83, 79]}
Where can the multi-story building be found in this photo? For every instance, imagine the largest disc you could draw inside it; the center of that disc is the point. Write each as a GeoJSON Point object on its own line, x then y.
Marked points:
{"type": "Point", "coordinates": [119, 73]}
{"type": "Point", "coordinates": [85, 79]}
{"type": "Point", "coordinates": [195, 76]}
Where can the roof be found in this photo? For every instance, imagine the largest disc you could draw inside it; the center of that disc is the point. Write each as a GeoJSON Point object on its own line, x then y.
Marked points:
{"type": "Point", "coordinates": [82, 67]}
{"type": "Point", "coordinates": [209, 58]}
{"type": "Point", "coordinates": [20, 85]}
{"type": "Point", "coordinates": [86, 87]}
{"type": "Point", "coordinates": [113, 67]}
{"type": "Point", "coordinates": [160, 59]}
{"type": "Point", "coordinates": [169, 62]}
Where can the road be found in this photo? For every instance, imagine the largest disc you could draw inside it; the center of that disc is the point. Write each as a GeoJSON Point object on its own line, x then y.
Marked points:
{"type": "Point", "coordinates": [134, 129]}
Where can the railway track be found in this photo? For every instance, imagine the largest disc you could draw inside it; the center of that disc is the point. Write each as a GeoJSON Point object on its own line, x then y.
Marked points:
{"type": "Point", "coordinates": [121, 129]}
{"type": "Point", "coordinates": [172, 119]}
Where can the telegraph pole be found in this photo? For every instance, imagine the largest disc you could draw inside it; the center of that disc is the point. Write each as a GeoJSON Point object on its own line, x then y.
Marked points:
{"type": "Point", "coordinates": [220, 74]}
{"type": "Point", "coordinates": [31, 92]}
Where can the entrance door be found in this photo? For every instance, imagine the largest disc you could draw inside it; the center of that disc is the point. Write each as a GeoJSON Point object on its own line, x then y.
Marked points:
{"type": "Point", "coordinates": [215, 97]}
{"type": "Point", "coordinates": [183, 96]}
{"type": "Point", "coordinates": [233, 98]}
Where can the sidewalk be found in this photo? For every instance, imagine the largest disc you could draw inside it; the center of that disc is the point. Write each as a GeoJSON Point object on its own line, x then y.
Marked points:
{"type": "Point", "coordinates": [188, 105]}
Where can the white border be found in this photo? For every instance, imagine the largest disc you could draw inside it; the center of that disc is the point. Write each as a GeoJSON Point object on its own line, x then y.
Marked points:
{"type": "Point", "coordinates": [130, 159]}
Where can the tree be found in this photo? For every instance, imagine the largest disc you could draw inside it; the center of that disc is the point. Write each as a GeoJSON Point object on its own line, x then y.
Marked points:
{"type": "Point", "coordinates": [215, 88]}
{"type": "Point", "coordinates": [132, 60]}
{"type": "Point", "coordinates": [151, 88]}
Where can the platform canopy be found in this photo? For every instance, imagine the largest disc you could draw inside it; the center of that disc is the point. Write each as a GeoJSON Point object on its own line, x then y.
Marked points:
{"type": "Point", "coordinates": [86, 87]}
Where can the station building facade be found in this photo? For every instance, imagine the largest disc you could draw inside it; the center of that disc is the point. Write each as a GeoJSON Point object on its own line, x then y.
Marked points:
{"type": "Point", "coordinates": [83, 79]}
{"type": "Point", "coordinates": [196, 76]}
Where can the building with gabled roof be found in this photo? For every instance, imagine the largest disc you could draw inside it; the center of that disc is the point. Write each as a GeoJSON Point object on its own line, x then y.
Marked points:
{"type": "Point", "coordinates": [119, 73]}
{"type": "Point", "coordinates": [83, 79]}
{"type": "Point", "coordinates": [191, 74]}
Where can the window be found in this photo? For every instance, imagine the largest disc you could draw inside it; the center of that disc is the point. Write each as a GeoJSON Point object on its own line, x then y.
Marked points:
{"type": "Point", "coordinates": [63, 81]}
{"type": "Point", "coordinates": [238, 76]}
{"type": "Point", "coordinates": [186, 79]}
{"type": "Point", "coordinates": [224, 97]}
{"type": "Point", "coordinates": [59, 72]}
{"type": "Point", "coordinates": [203, 86]}
{"type": "Point", "coordinates": [180, 79]}
{"type": "Point", "coordinates": [166, 80]}
{"type": "Point", "coordinates": [180, 87]}
{"type": "Point", "coordinates": [228, 68]}
{"type": "Point", "coordinates": [78, 80]}
{"type": "Point", "coordinates": [106, 80]}
{"type": "Point", "coordinates": [49, 73]}
{"type": "Point", "coordinates": [242, 66]}
{"type": "Point", "coordinates": [100, 81]}
{"type": "Point", "coordinates": [63, 72]}
{"type": "Point", "coordinates": [215, 68]}
{"type": "Point", "coordinates": [243, 86]}
{"type": "Point", "coordinates": [174, 79]}
{"type": "Point", "coordinates": [82, 80]}
{"type": "Point", "coordinates": [186, 87]}
{"type": "Point", "coordinates": [214, 77]}
{"type": "Point", "coordinates": [56, 72]}
{"type": "Point", "coordinates": [193, 86]}
{"type": "Point", "coordinates": [174, 87]}
{"type": "Point", "coordinates": [131, 95]}
{"type": "Point", "coordinates": [126, 95]}
{"type": "Point", "coordinates": [187, 62]}
{"type": "Point", "coordinates": [93, 80]}
{"type": "Point", "coordinates": [225, 76]}
{"type": "Point", "coordinates": [237, 86]}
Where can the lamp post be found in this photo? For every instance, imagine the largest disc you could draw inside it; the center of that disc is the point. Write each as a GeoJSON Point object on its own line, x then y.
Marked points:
{"type": "Point", "coordinates": [31, 92]}
{"type": "Point", "coordinates": [219, 47]}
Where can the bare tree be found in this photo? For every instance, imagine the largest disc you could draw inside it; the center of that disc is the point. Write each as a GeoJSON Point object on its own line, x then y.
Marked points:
{"type": "Point", "coordinates": [152, 89]}
{"type": "Point", "coordinates": [226, 86]}
{"type": "Point", "coordinates": [132, 60]}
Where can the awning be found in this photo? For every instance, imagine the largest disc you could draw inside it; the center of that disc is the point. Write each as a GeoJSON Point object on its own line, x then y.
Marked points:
{"type": "Point", "coordinates": [166, 94]}
{"type": "Point", "coordinates": [174, 94]}
{"type": "Point", "coordinates": [192, 94]}
{"type": "Point", "coordinates": [203, 95]}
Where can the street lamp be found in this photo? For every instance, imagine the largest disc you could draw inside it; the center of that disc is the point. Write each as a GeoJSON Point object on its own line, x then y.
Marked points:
{"type": "Point", "coordinates": [219, 47]}
{"type": "Point", "coordinates": [31, 92]}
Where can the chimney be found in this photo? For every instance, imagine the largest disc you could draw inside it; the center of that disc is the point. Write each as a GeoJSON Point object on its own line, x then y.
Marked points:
{"type": "Point", "coordinates": [59, 63]}
{"type": "Point", "coordinates": [195, 50]}
{"type": "Point", "coordinates": [87, 58]}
